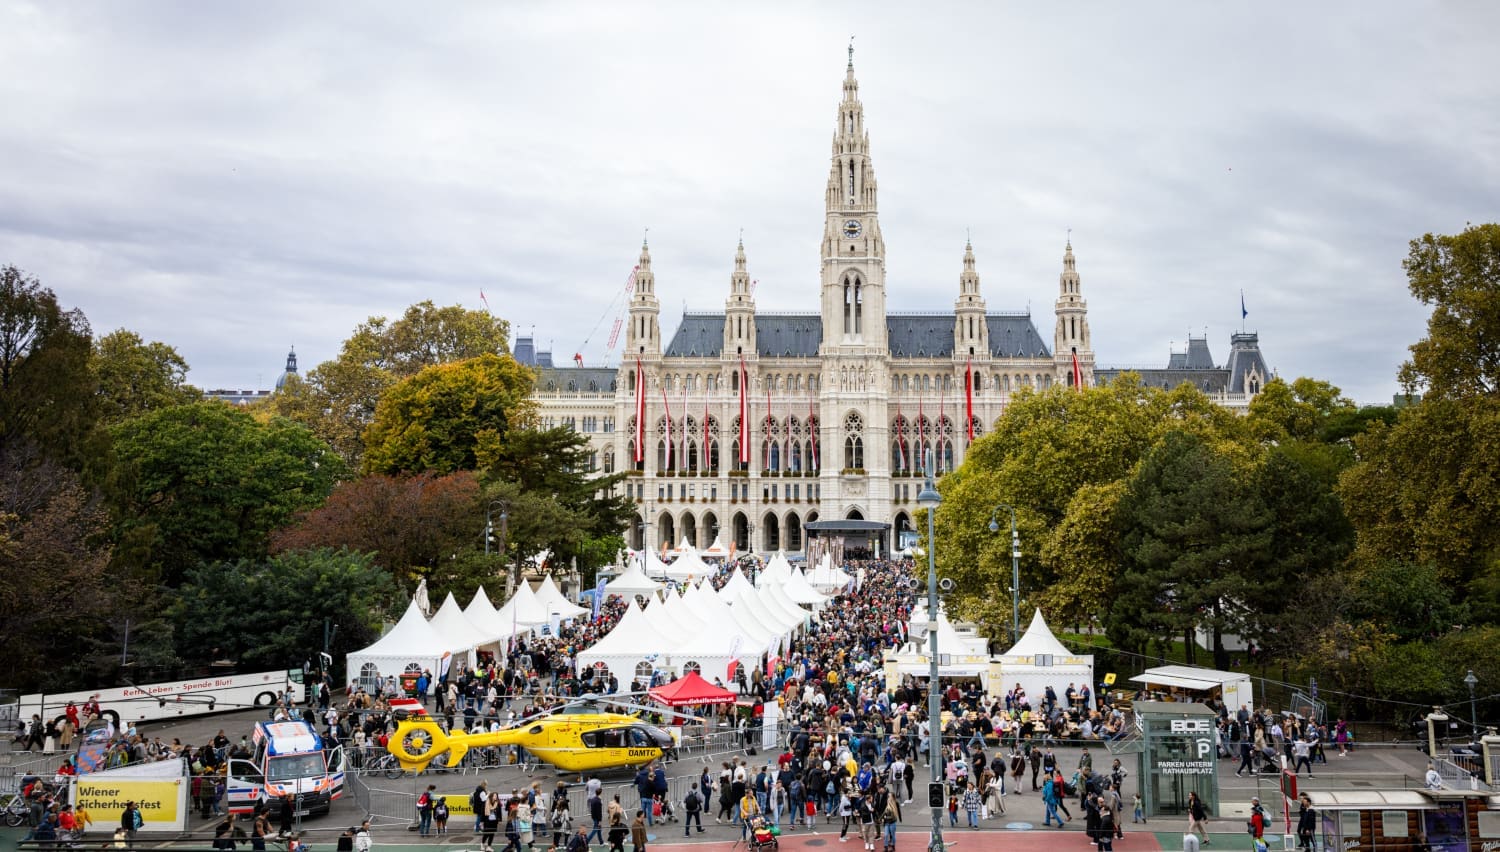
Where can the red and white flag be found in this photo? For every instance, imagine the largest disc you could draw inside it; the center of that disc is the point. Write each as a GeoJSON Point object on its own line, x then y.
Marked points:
{"type": "Point", "coordinates": [667, 407]}
{"type": "Point", "coordinates": [640, 412]}
{"type": "Point", "coordinates": [1077, 371]}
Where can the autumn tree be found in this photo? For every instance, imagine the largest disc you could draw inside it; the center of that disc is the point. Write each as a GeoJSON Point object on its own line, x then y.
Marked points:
{"type": "Point", "coordinates": [449, 417]}
{"type": "Point", "coordinates": [407, 523]}
{"type": "Point", "coordinates": [54, 559]}
{"type": "Point", "coordinates": [206, 481]}
{"type": "Point", "coordinates": [337, 399]}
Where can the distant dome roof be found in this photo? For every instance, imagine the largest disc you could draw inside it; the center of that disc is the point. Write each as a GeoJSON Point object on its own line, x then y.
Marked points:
{"type": "Point", "coordinates": [291, 369]}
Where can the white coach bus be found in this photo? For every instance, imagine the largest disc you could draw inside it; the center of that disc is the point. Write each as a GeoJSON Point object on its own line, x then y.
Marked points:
{"type": "Point", "coordinates": [149, 702]}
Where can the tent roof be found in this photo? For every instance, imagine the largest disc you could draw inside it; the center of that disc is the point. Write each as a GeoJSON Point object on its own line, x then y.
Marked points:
{"type": "Point", "coordinates": [522, 610]}
{"type": "Point", "coordinates": [482, 613]}
{"type": "Point", "coordinates": [1038, 639]}
{"type": "Point", "coordinates": [633, 581]}
{"type": "Point", "coordinates": [632, 636]}
{"type": "Point", "coordinates": [412, 636]}
{"type": "Point", "coordinates": [654, 566]}
{"type": "Point", "coordinates": [800, 591]}
{"type": "Point", "coordinates": [1188, 677]}
{"type": "Point", "coordinates": [552, 600]}
{"type": "Point", "coordinates": [715, 549]}
{"type": "Point", "coordinates": [691, 689]}
{"type": "Point", "coordinates": [688, 565]}
{"type": "Point", "coordinates": [456, 627]}
{"type": "Point", "coordinates": [734, 585]}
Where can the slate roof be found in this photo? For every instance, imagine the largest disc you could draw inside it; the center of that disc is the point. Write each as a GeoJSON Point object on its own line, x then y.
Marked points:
{"type": "Point", "coordinates": [909, 336]}
{"type": "Point", "coordinates": [576, 379]}
{"type": "Point", "coordinates": [1196, 367]}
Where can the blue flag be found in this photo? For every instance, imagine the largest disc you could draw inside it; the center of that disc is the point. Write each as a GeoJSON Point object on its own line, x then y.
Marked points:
{"type": "Point", "coordinates": [1243, 313]}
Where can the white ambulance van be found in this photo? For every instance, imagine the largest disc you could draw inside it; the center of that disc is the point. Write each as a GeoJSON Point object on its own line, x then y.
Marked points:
{"type": "Point", "coordinates": [289, 759]}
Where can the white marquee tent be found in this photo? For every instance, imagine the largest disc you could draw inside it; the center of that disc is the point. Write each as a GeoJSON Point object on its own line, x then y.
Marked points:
{"type": "Point", "coordinates": [1038, 660]}
{"type": "Point", "coordinates": [689, 566]}
{"type": "Point", "coordinates": [451, 623]}
{"type": "Point", "coordinates": [484, 616]}
{"type": "Point", "coordinates": [552, 600]}
{"type": "Point", "coordinates": [631, 582]}
{"type": "Point", "coordinates": [828, 579]}
{"type": "Point", "coordinates": [522, 612]}
{"type": "Point", "coordinates": [413, 645]}
{"type": "Point", "coordinates": [735, 585]}
{"type": "Point", "coordinates": [800, 591]}
{"type": "Point", "coordinates": [632, 648]}
{"type": "Point", "coordinates": [717, 550]}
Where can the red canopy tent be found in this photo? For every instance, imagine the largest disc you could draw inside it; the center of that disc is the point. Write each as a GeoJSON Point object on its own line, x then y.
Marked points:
{"type": "Point", "coordinates": [688, 690]}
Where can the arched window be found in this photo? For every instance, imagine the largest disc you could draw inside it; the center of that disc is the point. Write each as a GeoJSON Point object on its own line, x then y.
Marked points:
{"type": "Point", "coordinates": [692, 456]}
{"type": "Point", "coordinates": [794, 456]}
{"type": "Point", "coordinates": [663, 456]}
{"type": "Point", "coordinates": [609, 459]}
{"type": "Point", "coordinates": [369, 678]}
{"type": "Point", "coordinates": [713, 457]}
{"type": "Point", "coordinates": [643, 671]}
{"type": "Point", "coordinates": [859, 324]}
{"type": "Point", "coordinates": [793, 532]}
{"type": "Point", "coordinates": [691, 666]}
{"type": "Point", "coordinates": [854, 452]}
{"type": "Point", "coordinates": [775, 456]}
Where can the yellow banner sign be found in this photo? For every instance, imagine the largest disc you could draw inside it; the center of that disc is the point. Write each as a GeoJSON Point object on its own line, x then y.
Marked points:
{"type": "Point", "coordinates": [156, 800]}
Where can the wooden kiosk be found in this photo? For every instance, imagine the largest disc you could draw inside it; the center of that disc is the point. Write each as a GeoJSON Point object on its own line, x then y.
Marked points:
{"type": "Point", "coordinates": [1407, 820]}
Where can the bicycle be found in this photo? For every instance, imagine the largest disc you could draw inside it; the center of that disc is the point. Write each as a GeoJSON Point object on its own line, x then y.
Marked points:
{"type": "Point", "coordinates": [14, 809]}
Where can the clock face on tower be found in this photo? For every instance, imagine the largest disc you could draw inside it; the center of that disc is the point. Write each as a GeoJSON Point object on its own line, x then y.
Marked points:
{"type": "Point", "coordinates": [852, 229]}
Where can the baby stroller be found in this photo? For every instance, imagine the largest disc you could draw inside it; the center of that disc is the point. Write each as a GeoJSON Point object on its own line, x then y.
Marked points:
{"type": "Point", "coordinates": [763, 837]}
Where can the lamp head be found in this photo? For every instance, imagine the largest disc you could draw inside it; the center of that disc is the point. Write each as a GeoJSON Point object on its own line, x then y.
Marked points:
{"type": "Point", "coordinates": [929, 498]}
{"type": "Point", "coordinates": [994, 525]}
{"type": "Point", "coordinates": [1470, 680]}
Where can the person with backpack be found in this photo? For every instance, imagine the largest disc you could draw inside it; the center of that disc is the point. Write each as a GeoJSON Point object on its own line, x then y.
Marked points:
{"type": "Point", "coordinates": [890, 815]}
{"type": "Point", "coordinates": [1050, 799]}
{"type": "Point", "coordinates": [692, 805]}
{"type": "Point", "coordinates": [477, 800]}
{"type": "Point", "coordinates": [439, 815]}
{"type": "Point", "coordinates": [561, 821]}
{"type": "Point", "coordinates": [659, 793]}
{"type": "Point", "coordinates": [579, 842]}
{"type": "Point", "coordinates": [424, 810]}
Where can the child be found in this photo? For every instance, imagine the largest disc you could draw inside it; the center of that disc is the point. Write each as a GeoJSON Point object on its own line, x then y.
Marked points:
{"type": "Point", "coordinates": [439, 815]}
{"type": "Point", "coordinates": [1140, 813]}
{"type": "Point", "coordinates": [952, 811]}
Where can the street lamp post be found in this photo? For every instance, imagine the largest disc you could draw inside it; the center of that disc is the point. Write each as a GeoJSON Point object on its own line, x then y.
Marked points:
{"type": "Point", "coordinates": [489, 529]}
{"type": "Point", "coordinates": [1471, 681]}
{"type": "Point", "coordinates": [1015, 569]}
{"type": "Point", "coordinates": [929, 498]}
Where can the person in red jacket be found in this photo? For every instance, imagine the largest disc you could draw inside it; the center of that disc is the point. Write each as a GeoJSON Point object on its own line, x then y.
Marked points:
{"type": "Point", "coordinates": [1257, 822]}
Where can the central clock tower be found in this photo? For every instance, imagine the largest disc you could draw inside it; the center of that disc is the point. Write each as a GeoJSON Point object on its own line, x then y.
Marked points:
{"type": "Point", "coordinates": [853, 252]}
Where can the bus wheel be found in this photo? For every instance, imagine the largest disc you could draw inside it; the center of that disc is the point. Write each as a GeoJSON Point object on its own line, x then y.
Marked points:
{"type": "Point", "coordinates": [265, 699]}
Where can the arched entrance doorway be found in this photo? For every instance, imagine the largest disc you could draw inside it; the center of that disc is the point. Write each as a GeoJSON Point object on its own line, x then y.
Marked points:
{"type": "Point", "coordinates": [770, 533]}
{"type": "Point", "coordinates": [690, 528]}
{"type": "Point", "coordinates": [741, 532]}
{"type": "Point", "coordinates": [665, 532]}
{"type": "Point", "coordinates": [637, 532]}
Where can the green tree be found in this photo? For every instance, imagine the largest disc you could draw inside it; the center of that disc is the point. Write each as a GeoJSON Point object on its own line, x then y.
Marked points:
{"type": "Point", "coordinates": [46, 391]}
{"type": "Point", "coordinates": [338, 398]}
{"type": "Point", "coordinates": [206, 481]}
{"type": "Point", "coordinates": [135, 377]}
{"type": "Point", "coordinates": [270, 613]}
{"type": "Point", "coordinates": [1427, 489]}
{"type": "Point", "coordinates": [1297, 411]}
{"type": "Point", "coordinates": [1459, 276]}
{"type": "Point", "coordinates": [449, 417]}
{"type": "Point", "coordinates": [1196, 544]}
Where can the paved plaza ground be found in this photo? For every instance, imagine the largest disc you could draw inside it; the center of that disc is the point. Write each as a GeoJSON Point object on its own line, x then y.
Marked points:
{"type": "Point", "coordinates": [1018, 830]}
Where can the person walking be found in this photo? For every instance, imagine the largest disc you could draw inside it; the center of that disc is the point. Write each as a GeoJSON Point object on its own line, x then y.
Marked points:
{"type": "Point", "coordinates": [618, 831]}
{"type": "Point", "coordinates": [489, 821]}
{"type": "Point", "coordinates": [1307, 820]}
{"type": "Point", "coordinates": [972, 802]}
{"type": "Point", "coordinates": [1197, 817]}
{"type": "Point", "coordinates": [131, 822]}
{"type": "Point", "coordinates": [1049, 800]}
{"type": "Point", "coordinates": [596, 818]}
{"type": "Point", "coordinates": [638, 833]}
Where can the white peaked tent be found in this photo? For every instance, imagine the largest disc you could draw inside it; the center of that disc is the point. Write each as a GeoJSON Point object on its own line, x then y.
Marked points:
{"type": "Point", "coordinates": [654, 566]}
{"type": "Point", "coordinates": [717, 550]}
{"type": "Point", "coordinates": [484, 616]}
{"type": "Point", "coordinates": [1039, 660]}
{"type": "Point", "coordinates": [522, 612]}
{"type": "Point", "coordinates": [688, 565]}
{"type": "Point", "coordinates": [453, 625]}
{"type": "Point", "coordinates": [631, 582]}
{"type": "Point", "coordinates": [800, 591]}
{"type": "Point", "coordinates": [828, 579]}
{"type": "Point", "coordinates": [552, 600]}
{"type": "Point", "coordinates": [753, 602]}
{"type": "Point", "coordinates": [734, 586]}
{"type": "Point", "coordinates": [776, 572]}
{"type": "Point", "coordinates": [412, 645]}
{"type": "Point", "coordinates": [776, 599]}
{"type": "Point", "coordinates": [731, 638]}
{"type": "Point", "coordinates": [632, 641]}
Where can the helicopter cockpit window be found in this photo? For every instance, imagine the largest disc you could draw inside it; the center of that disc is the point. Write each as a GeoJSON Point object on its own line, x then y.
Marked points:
{"type": "Point", "coordinates": [607, 738]}
{"type": "Point", "coordinates": [640, 738]}
{"type": "Point", "coordinates": [535, 729]}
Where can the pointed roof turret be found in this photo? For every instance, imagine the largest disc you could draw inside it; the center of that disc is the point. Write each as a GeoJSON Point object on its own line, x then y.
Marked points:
{"type": "Point", "coordinates": [645, 280]}
{"type": "Point", "coordinates": [968, 280]}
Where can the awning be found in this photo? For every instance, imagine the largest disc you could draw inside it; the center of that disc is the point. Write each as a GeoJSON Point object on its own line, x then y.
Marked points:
{"type": "Point", "coordinates": [1178, 681]}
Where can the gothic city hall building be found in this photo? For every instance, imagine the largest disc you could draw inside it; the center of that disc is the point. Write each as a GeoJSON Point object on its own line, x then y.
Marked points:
{"type": "Point", "coordinates": [760, 429]}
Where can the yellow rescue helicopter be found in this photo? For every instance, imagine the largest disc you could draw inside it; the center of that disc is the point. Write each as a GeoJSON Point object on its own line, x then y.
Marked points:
{"type": "Point", "coordinates": [578, 737]}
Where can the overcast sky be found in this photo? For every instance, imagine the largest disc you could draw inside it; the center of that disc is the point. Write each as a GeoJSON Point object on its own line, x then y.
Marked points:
{"type": "Point", "coordinates": [236, 178]}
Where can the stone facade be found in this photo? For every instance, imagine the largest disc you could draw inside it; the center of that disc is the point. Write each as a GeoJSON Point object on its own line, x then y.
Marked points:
{"type": "Point", "coordinates": [840, 405]}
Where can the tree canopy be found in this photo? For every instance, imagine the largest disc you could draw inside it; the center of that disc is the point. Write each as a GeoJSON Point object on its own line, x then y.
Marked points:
{"type": "Point", "coordinates": [1459, 276]}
